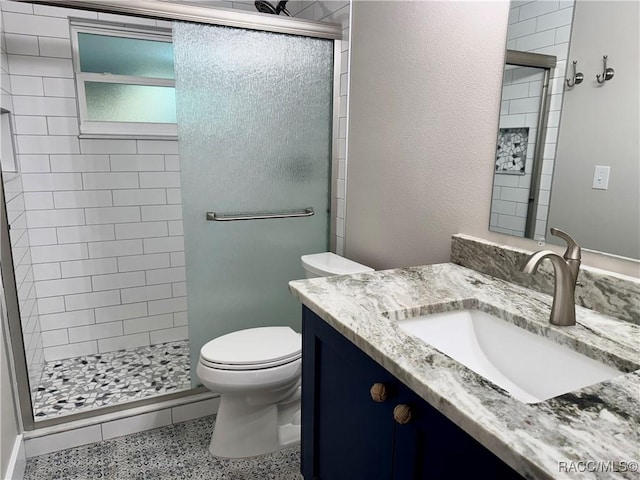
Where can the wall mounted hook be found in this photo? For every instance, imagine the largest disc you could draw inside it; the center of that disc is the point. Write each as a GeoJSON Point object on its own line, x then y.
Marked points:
{"type": "Point", "coordinates": [577, 77]}
{"type": "Point", "coordinates": [607, 73]}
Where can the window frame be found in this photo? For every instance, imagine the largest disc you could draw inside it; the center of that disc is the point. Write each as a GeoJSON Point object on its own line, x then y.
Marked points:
{"type": "Point", "coordinates": [91, 128]}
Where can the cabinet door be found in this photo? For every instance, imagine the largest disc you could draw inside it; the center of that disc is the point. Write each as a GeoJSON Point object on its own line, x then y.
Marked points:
{"type": "Point", "coordinates": [345, 433]}
{"type": "Point", "coordinates": [430, 446]}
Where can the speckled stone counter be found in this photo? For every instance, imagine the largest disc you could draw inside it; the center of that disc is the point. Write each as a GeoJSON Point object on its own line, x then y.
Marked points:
{"type": "Point", "coordinates": [599, 423]}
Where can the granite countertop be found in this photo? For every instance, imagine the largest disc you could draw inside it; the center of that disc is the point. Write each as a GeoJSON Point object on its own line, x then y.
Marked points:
{"type": "Point", "coordinates": [594, 424]}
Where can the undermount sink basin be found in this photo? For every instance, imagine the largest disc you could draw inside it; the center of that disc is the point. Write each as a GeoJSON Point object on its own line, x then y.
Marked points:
{"type": "Point", "coordinates": [529, 367]}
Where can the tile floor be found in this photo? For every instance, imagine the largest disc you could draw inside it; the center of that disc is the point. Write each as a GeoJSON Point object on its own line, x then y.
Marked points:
{"type": "Point", "coordinates": [174, 452]}
{"type": "Point", "coordinates": [91, 381]}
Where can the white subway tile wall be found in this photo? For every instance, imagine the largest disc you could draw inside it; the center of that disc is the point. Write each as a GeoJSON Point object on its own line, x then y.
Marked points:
{"type": "Point", "coordinates": [537, 26]}
{"type": "Point", "coordinates": [25, 275]}
{"type": "Point", "coordinates": [17, 204]}
{"type": "Point", "coordinates": [105, 215]}
{"type": "Point", "coordinates": [93, 244]}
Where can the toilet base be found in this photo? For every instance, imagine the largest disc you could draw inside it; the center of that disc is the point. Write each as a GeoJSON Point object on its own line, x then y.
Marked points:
{"type": "Point", "coordinates": [245, 429]}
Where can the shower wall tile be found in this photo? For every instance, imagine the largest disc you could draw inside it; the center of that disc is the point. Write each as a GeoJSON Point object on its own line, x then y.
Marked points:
{"type": "Point", "coordinates": [168, 306]}
{"type": "Point", "coordinates": [50, 305]}
{"type": "Point", "coordinates": [89, 267]}
{"type": "Point", "coordinates": [118, 280]}
{"type": "Point", "coordinates": [59, 253]}
{"type": "Point", "coordinates": [84, 198]}
{"type": "Point", "coordinates": [88, 233]}
{"type": "Point", "coordinates": [33, 163]}
{"type": "Point", "coordinates": [180, 319]}
{"type": "Point", "coordinates": [115, 248]}
{"type": "Point", "coordinates": [35, 25]}
{"type": "Point", "coordinates": [169, 335]}
{"type": "Point", "coordinates": [122, 342]}
{"type": "Point", "coordinates": [70, 350]}
{"type": "Point", "coordinates": [163, 244]}
{"type": "Point", "coordinates": [169, 212]}
{"type": "Point", "coordinates": [91, 145]}
{"type": "Point", "coordinates": [91, 300]}
{"type": "Point", "coordinates": [122, 312]}
{"type": "Point", "coordinates": [166, 275]}
{"type": "Point", "coordinates": [141, 294]}
{"type": "Point", "coordinates": [141, 230]}
{"type": "Point", "coordinates": [54, 288]}
{"type": "Point", "coordinates": [42, 236]}
{"type": "Point", "coordinates": [107, 210]}
{"type": "Point", "coordinates": [144, 262]}
{"type": "Point", "coordinates": [56, 321]}
{"type": "Point", "coordinates": [137, 163]}
{"type": "Point", "coordinates": [109, 181]}
{"type": "Point", "coordinates": [78, 163]}
{"type": "Point", "coordinates": [59, 87]}
{"type": "Point", "coordinates": [148, 196]}
{"type": "Point", "coordinates": [94, 332]}
{"type": "Point", "coordinates": [21, 250]}
{"type": "Point", "coordinates": [157, 146]}
{"type": "Point", "coordinates": [46, 271]}
{"type": "Point", "coordinates": [147, 324]}
{"type": "Point", "coordinates": [54, 338]}
{"type": "Point", "coordinates": [177, 259]}
{"type": "Point", "coordinates": [38, 200]}
{"type": "Point", "coordinates": [51, 182]}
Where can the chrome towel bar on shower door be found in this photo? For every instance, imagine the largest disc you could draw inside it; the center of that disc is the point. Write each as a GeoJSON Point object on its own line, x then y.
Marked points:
{"type": "Point", "coordinates": [230, 217]}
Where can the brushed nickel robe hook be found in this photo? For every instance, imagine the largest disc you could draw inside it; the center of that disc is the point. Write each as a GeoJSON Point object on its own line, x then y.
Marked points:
{"type": "Point", "coordinates": [607, 73]}
{"type": "Point", "coordinates": [577, 77]}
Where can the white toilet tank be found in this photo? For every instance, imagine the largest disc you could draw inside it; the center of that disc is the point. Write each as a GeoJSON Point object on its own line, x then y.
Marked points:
{"type": "Point", "coordinates": [327, 263]}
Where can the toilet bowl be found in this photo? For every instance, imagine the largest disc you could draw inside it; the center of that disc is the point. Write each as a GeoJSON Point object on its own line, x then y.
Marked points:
{"type": "Point", "coordinates": [257, 373]}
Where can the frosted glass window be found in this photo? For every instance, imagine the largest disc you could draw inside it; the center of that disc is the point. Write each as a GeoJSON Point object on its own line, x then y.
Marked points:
{"type": "Point", "coordinates": [113, 102]}
{"type": "Point", "coordinates": [125, 56]}
{"type": "Point", "coordinates": [125, 80]}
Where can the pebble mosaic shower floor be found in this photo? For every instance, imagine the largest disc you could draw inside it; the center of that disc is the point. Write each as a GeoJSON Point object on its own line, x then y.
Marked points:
{"type": "Point", "coordinates": [173, 452]}
{"type": "Point", "coordinates": [91, 381]}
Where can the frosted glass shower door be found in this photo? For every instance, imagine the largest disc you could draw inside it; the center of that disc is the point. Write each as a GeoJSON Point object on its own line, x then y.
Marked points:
{"type": "Point", "coordinates": [254, 126]}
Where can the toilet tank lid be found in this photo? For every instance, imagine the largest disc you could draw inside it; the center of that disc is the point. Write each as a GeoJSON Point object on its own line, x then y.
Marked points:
{"type": "Point", "coordinates": [253, 346]}
{"type": "Point", "coordinates": [327, 263]}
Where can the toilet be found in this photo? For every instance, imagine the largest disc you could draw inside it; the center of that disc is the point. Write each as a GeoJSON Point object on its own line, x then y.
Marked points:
{"type": "Point", "coordinates": [257, 373]}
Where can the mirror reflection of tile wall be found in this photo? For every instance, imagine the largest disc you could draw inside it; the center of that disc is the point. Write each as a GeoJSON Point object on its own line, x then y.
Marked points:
{"type": "Point", "coordinates": [537, 26]}
{"type": "Point", "coordinates": [521, 96]}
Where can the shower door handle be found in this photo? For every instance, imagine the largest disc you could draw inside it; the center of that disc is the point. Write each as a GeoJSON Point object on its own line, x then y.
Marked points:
{"type": "Point", "coordinates": [230, 217]}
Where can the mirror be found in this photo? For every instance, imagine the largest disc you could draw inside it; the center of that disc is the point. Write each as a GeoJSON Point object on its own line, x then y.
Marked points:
{"type": "Point", "coordinates": [551, 177]}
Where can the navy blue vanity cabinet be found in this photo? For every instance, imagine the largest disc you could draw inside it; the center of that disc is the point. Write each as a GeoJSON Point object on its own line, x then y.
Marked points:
{"type": "Point", "coordinates": [361, 423]}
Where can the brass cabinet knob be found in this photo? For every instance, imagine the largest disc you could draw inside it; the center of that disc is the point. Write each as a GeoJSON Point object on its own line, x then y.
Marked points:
{"type": "Point", "coordinates": [402, 414]}
{"type": "Point", "coordinates": [378, 392]}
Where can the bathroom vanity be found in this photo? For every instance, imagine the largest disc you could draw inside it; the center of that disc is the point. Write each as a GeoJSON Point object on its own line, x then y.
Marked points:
{"type": "Point", "coordinates": [359, 365]}
{"type": "Point", "coordinates": [360, 422]}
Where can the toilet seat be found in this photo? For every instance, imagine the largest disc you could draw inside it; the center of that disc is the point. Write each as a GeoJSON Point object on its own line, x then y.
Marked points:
{"type": "Point", "coordinates": [252, 349]}
{"type": "Point", "coordinates": [247, 367]}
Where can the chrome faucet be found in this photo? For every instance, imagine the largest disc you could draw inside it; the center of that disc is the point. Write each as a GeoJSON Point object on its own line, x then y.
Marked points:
{"type": "Point", "coordinates": [566, 268]}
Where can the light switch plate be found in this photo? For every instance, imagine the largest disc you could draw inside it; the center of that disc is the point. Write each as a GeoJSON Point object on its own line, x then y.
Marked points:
{"type": "Point", "coordinates": [601, 177]}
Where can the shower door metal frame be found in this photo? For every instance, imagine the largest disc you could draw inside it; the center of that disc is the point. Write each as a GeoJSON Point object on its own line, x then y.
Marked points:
{"type": "Point", "coordinates": [213, 16]}
{"type": "Point", "coordinates": [14, 341]}
{"type": "Point", "coordinates": [210, 15]}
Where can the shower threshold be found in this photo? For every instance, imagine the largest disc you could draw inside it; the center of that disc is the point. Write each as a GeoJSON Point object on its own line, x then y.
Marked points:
{"type": "Point", "coordinates": [83, 383]}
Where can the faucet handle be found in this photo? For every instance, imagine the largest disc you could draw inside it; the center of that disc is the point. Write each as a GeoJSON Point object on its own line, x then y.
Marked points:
{"type": "Point", "coordinates": [573, 252]}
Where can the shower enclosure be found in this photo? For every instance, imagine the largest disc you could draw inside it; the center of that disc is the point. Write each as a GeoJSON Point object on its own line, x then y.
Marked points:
{"type": "Point", "coordinates": [132, 246]}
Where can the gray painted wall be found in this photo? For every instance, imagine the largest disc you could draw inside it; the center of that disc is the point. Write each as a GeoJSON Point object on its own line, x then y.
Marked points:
{"type": "Point", "coordinates": [600, 125]}
{"type": "Point", "coordinates": [425, 93]}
